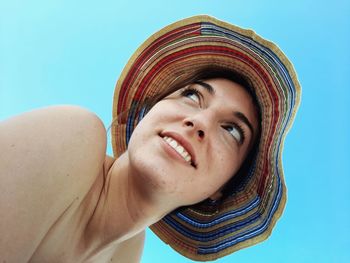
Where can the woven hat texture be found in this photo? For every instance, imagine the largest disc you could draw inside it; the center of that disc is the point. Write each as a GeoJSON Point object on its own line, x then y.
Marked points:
{"type": "Point", "coordinates": [249, 213]}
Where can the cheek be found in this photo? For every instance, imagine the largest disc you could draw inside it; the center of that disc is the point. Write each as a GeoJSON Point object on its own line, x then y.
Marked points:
{"type": "Point", "coordinates": [146, 128]}
{"type": "Point", "coordinates": [225, 166]}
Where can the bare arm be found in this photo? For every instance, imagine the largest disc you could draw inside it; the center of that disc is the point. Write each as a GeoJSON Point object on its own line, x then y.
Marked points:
{"type": "Point", "coordinates": [48, 158]}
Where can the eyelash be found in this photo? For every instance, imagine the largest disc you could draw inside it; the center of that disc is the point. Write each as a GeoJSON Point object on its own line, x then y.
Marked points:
{"type": "Point", "coordinates": [237, 127]}
{"type": "Point", "coordinates": [191, 90]}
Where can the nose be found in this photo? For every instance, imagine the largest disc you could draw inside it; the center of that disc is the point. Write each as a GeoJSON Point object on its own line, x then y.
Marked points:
{"type": "Point", "coordinates": [198, 124]}
{"type": "Point", "coordinates": [200, 132]}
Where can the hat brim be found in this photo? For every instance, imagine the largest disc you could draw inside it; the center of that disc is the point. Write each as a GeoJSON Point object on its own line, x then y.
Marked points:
{"type": "Point", "coordinates": [247, 216]}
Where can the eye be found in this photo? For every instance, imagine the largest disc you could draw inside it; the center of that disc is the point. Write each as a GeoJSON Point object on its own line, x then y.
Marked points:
{"type": "Point", "coordinates": [192, 94]}
{"type": "Point", "coordinates": [236, 132]}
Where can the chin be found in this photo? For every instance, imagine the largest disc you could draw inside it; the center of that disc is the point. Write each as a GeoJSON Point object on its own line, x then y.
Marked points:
{"type": "Point", "coordinates": [152, 172]}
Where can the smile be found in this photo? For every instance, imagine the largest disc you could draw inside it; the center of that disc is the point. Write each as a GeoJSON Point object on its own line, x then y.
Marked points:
{"type": "Point", "coordinates": [181, 147]}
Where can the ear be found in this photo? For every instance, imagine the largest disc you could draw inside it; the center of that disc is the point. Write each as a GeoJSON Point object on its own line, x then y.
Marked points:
{"type": "Point", "coordinates": [216, 196]}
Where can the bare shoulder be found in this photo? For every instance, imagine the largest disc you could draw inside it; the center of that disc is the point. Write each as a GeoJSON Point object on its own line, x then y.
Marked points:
{"type": "Point", "coordinates": [49, 157]}
{"type": "Point", "coordinates": [130, 250]}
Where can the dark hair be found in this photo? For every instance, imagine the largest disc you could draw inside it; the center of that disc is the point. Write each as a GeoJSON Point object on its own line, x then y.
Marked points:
{"type": "Point", "coordinates": [211, 72]}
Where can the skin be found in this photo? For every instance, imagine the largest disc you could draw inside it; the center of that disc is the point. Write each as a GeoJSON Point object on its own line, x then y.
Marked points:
{"type": "Point", "coordinates": [76, 216]}
{"type": "Point", "coordinates": [174, 181]}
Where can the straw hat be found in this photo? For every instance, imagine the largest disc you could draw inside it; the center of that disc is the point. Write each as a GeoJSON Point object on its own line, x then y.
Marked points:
{"type": "Point", "coordinates": [249, 213]}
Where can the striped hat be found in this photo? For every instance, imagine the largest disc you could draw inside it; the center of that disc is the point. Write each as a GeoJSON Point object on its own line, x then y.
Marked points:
{"type": "Point", "coordinates": [248, 214]}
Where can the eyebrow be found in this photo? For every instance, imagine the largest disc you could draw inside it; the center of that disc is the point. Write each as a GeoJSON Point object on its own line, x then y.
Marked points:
{"type": "Point", "coordinates": [207, 86]}
{"type": "Point", "coordinates": [245, 120]}
{"type": "Point", "coordinates": [238, 114]}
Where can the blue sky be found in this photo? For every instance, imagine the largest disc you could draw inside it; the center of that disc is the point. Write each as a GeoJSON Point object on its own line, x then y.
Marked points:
{"type": "Point", "coordinates": [72, 52]}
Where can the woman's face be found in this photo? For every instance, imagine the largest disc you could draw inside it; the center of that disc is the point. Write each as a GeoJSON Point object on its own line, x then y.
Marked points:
{"type": "Point", "coordinates": [193, 141]}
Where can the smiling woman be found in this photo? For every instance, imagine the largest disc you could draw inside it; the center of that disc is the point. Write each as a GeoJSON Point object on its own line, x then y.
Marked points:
{"type": "Point", "coordinates": [204, 125]}
{"type": "Point", "coordinates": [200, 114]}
{"type": "Point", "coordinates": [184, 58]}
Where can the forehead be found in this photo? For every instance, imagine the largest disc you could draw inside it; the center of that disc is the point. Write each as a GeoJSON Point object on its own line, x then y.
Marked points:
{"type": "Point", "coordinates": [228, 92]}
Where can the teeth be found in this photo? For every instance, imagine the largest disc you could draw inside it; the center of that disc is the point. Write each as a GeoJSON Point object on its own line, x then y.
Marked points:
{"type": "Point", "coordinates": [173, 144]}
{"type": "Point", "coordinates": [179, 148]}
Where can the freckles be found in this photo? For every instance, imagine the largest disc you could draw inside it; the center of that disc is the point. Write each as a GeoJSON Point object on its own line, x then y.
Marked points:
{"type": "Point", "coordinates": [221, 160]}
{"type": "Point", "coordinates": [222, 165]}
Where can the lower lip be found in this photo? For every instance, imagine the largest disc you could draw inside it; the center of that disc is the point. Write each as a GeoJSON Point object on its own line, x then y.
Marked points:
{"type": "Point", "coordinates": [172, 152]}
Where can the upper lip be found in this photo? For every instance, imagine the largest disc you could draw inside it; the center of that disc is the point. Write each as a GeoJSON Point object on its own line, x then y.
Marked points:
{"type": "Point", "coordinates": [187, 146]}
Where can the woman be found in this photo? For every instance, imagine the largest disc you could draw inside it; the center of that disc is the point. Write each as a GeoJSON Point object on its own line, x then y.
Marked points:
{"type": "Point", "coordinates": [201, 111]}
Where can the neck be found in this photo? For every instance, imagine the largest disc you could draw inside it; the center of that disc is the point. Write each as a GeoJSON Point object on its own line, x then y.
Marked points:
{"type": "Point", "coordinates": [124, 208]}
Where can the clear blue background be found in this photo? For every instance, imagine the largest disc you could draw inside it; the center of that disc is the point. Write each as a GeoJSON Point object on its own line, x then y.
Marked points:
{"type": "Point", "coordinates": [72, 52]}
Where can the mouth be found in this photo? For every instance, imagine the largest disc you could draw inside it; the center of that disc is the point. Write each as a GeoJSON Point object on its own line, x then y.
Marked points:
{"type": "Point", "coordinates": [181, 146]}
